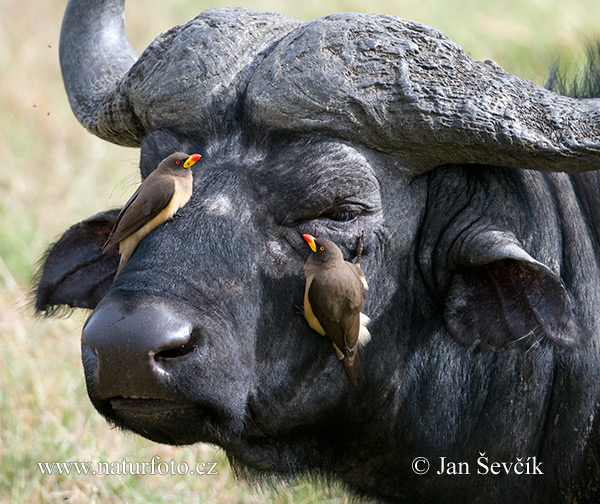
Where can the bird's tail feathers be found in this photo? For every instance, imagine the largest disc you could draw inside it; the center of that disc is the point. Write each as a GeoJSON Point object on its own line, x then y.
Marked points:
{"type": "Point", "coordinates": [353, 369]}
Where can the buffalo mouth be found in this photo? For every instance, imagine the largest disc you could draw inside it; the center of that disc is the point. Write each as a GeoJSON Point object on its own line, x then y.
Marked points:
{"type": "Point", "coordinates": [163, 420]}
{"type": "Point", "coordinates": [147, 406]}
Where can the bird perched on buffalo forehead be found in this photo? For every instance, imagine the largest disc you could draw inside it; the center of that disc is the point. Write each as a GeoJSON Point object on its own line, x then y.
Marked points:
{"type": "Point", "coordinates": [334, 295]}
{"type": "Point", "coordinates": [156, 200]}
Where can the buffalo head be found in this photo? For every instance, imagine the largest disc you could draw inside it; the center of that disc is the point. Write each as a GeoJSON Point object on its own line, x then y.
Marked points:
{"type": "Point", "coordinates": [481, 259]}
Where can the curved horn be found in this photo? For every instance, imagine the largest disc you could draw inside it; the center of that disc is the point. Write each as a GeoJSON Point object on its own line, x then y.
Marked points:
{"type": "Point", "coordinates": [94, 56]}
{"type": "Point", "coordinates": [399, 86]}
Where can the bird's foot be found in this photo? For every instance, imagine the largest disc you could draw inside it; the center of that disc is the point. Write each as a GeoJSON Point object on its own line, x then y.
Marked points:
{"type": "Point", "coordinates": [359, 246]}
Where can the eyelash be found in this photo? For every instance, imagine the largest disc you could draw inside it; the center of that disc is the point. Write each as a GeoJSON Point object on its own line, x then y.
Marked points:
{"type": "Point", "coordinates": [341, 215]}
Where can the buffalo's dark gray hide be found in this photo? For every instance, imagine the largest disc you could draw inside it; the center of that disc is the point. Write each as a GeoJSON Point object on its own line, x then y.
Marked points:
{"type": "Point", "coordinates": [481, 258]}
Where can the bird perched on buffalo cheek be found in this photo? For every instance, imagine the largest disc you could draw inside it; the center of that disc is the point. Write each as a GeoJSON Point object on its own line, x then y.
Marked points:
{"type": "Point", "coordinates": [334, 295]}
{"type": "Point", "coordinates": [156, 200]}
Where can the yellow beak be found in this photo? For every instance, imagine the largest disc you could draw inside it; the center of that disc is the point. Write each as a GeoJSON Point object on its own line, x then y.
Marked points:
{"type": "Point", "coordinates": [191, 160]}
{"type": "Point", "coordinates": [310, 239]}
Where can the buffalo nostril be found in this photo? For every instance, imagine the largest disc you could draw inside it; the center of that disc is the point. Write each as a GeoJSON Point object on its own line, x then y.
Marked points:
{"type": "Point", "coordinates": [178, 352]}
{"type": "Point", "coordinates": [135, 346]}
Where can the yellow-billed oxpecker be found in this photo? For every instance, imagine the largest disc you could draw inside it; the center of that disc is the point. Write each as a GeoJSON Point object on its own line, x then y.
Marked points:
{"type": "Point", "coordinates": [156, 200]}
{"type": "Point", "coordinates": [334, 295]}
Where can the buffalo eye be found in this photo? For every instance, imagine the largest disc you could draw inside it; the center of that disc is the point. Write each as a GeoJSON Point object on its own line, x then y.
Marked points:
{"type": "Point", "coordinates": [341, 215]}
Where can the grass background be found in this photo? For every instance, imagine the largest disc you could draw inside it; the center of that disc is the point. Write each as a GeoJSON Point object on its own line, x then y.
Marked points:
{"type": "Point", "coordinates": [53, 173]}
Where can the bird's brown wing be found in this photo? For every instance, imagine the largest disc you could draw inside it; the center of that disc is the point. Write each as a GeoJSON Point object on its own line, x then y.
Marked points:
{"type": "Point", "coordinates": [336, 296]}
{"type": "Point", "coordinates": [145, 204]}
{"type": "Point", "coordinates": [336, 301]}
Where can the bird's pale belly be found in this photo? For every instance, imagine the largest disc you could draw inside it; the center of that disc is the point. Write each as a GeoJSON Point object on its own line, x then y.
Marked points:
{"type": "Point", "coordinates": [310, 317]}
{"type": "Point", "coordinates": [128, 245]}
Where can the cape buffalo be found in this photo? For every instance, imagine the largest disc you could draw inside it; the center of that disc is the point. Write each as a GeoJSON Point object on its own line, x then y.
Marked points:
{"type": "Point", "coordinates": [478, 200]}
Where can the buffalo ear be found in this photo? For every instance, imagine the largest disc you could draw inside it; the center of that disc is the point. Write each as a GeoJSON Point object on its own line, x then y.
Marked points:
{"type": "Point", "coordinates": [503, 298]}
{"type": "Point", "coordinates": [74, 271]}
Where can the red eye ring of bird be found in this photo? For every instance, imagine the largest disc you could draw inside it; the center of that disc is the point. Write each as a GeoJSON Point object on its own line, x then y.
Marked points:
{"type": "Point", "coordinates": [321, 248]}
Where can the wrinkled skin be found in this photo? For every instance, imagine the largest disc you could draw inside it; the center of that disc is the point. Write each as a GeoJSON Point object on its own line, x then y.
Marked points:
{"type": "Point", "coordinates": [483, 287]}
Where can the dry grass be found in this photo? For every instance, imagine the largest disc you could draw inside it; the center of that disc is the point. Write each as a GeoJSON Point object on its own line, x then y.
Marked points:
{"type": "Point", "coordinates": [52, 174]}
